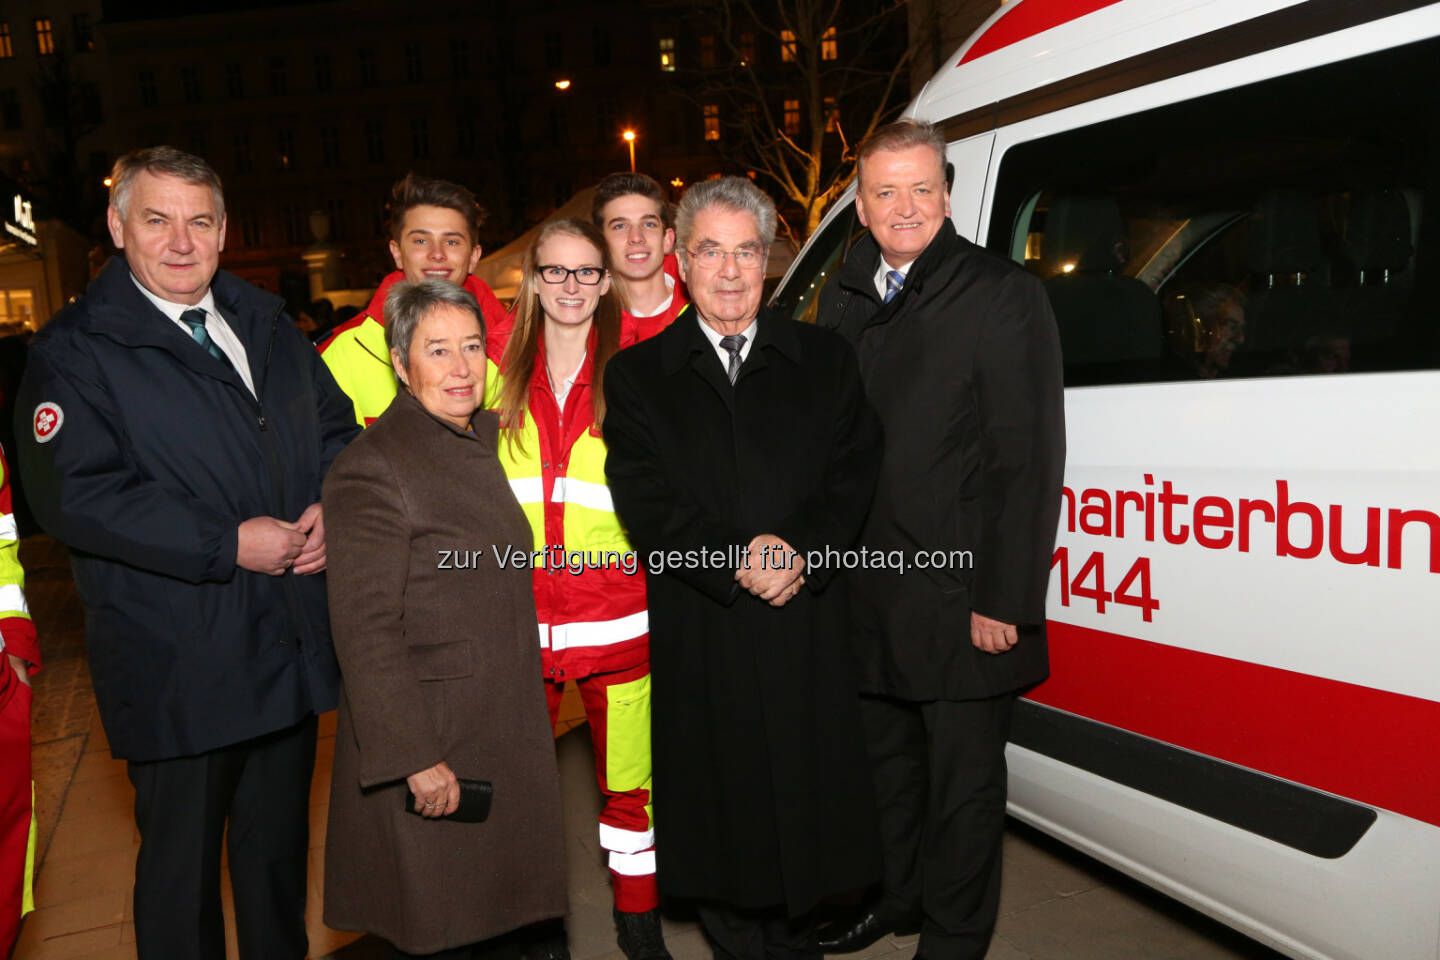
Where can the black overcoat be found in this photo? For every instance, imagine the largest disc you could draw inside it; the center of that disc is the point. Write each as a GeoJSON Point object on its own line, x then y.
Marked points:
{"type": "Point", "coordinates": [761, 788]}
{"type": "Point", "coordinates": [963, 367]}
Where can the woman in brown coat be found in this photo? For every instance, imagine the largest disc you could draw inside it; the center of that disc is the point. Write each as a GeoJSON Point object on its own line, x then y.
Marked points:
{"type": "Point", "coordinates": [437, 651]}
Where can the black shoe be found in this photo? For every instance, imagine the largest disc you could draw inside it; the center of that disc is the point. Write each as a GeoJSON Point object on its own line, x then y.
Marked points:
{"type": "Point", "coordinates": [861, 929]}
{"type": "Point", "coordinates": [639, 936]}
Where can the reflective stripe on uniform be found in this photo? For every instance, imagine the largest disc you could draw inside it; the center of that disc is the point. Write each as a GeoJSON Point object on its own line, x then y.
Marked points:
{"type": "Point", "coordinates": [617, 840]}
{"type": "Point", "coordinates": [7, 527]}
{"type": "Point", "coordinates": [582, 493]}
{"type": "Point", "coordinates": [12, 600]}
{"type": "Point", "coordinates": [544, 636]}
{"type": "Point", "coordinates": [599, 633]}
{"type": "Point", "coordinates": [528, 489]}
{"type": "Point", "coordinates": [633, 864]}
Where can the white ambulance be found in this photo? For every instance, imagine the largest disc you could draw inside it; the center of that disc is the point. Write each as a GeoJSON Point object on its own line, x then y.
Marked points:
{"type": "Point", "coordinates": [1235, 208]}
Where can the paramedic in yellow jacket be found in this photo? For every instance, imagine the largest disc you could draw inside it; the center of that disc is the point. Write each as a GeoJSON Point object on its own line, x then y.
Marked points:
{"type": "Point", "coordinates": [19, 655]}
{"type": "Point", "coordinates": [433, 235]}
{"type": "Point", "coordinates": [590, 591]}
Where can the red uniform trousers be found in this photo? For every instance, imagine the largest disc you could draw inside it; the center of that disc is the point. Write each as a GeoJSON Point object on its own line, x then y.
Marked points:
{"type": "Point", "coordinates": [14, 799]}
{"type": "Point", "coordinates": [621, 700]}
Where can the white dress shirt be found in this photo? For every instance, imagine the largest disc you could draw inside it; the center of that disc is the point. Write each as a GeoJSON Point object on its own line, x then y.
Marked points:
{"type": "Point", "coordinates": [885, 268]}
{"type": "Point", "coordinates": [215, 325]}
{"type": "Point", "coordinates": [714, 336]}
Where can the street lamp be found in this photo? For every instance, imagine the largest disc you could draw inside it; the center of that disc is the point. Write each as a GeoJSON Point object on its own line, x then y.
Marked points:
{"type": "Point", "coordinates": [629, 137]}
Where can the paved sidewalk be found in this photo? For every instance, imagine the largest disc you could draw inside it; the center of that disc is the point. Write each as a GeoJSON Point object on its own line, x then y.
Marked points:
{"type": "Point", "coordinates": [1056, 905]}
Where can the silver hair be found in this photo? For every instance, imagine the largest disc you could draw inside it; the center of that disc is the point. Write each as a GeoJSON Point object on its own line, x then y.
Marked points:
{"type": "Point", "coordinates": [902, 135]}
{"type": "Point", "coordinates": [730, 193]}
{"type": "Point", "coordinates": [163, 161]}
{"type": "Point", "coordinates": [408, 303]}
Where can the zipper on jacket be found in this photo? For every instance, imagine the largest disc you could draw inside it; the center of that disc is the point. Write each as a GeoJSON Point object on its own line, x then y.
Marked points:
{"type": "Point", "coordinates": [277, 488]}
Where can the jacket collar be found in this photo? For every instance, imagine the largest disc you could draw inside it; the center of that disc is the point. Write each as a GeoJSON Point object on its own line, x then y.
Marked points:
{"type": "Point", "coordinates": [473, 285]}
{"type": "Point", "coordinates": [118, 310]}
{"type": "Point", "coordinates": [858, 274]}
{"type": "Point", "coordinates": [680, 341]}
{"type": "Point", "coordinates": [485, 424]}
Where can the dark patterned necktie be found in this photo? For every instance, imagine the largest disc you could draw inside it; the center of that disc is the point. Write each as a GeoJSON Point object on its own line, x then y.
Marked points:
{"type": "Point", "coordinates": [894, 280]}
{"type": "Point", "coordinates": [733, 344]}
{"type": "Point", "coordinates": [194, 318]}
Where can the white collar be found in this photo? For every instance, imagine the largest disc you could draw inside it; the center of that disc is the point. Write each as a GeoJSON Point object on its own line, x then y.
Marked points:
{"type": "Point", "coordinates": [174, 310]}
{"type": "Point", "coordinates": [664, 305]}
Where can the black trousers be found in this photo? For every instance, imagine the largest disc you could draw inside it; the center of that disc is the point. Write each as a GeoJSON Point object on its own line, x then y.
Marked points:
{"type": "Point", "coordinates": [737, 934]}
{"type": "Point", "coordinates": [261, 788]}
{"type": "Point", "coordinates": [940, 784]}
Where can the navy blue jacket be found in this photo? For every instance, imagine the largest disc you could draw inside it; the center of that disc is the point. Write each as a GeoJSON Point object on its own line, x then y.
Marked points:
{"type": "Point", "coordinates": [160, 453]}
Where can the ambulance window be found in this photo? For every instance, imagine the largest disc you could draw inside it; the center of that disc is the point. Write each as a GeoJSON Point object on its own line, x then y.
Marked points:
{"type": "Point", "coordinates": [799, 298]}
{"type": "Point", "coordinates": [1289, 227]}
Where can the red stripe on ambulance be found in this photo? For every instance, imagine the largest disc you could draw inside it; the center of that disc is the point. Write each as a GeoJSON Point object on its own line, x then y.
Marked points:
{"type": "Point", "coordinates": [1024, 20]}
{"type": "Point", "coordinates": [1370, 745]}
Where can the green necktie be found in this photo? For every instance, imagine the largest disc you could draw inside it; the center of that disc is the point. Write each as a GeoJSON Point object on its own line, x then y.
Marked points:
{"type": "Point", "coordinates": [194, 318]}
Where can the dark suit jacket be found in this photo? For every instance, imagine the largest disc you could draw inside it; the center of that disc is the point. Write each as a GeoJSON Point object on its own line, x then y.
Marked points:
{"type": "Point", "coordinates": [762, 789]}
{"type": "Point", "coordinates": [963, 367]}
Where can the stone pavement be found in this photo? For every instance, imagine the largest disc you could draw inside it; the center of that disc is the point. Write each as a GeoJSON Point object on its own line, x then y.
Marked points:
{"type": "Point", "coordinates": [1057, 904]}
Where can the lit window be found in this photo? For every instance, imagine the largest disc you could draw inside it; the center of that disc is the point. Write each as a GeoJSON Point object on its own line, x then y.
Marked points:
{"type": "Point", "coordinates": [792, 117]}
{"type": "Point", "coordinates": [7, 50]}
{"type": "Point", "coordinates": [747, 48]}
{"type": "Point", "coordinates": [707, 52]}
{"type": "Point", "coordinates": [832, 115]}
{"type": "Point", "coordinates": [712, 121]}
{"type": "Point", "coordinates": [667, 54]}
{"type": "Point", "coordinates": [787, 46]}
{"type": "Point", "coordinates": [44, 36]}
{"type": "Point", "coordinates": [829, 45]}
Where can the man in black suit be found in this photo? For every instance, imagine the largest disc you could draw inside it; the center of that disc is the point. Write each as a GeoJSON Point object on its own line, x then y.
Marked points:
{"type": "Point", "coordinates": [740, 443]}
{"type": "Point", "coordinates": [174, 430]}
{"type": "Point", "coordinates": [960, 356]}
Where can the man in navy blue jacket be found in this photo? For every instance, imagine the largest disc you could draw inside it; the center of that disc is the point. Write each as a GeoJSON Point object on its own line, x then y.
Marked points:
{"type": "Point", "coordinates": [175, 428]}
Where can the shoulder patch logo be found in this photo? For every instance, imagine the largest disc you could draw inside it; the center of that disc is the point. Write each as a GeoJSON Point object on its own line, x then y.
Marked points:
{"type": "Point", "coordinates": [47, 421]}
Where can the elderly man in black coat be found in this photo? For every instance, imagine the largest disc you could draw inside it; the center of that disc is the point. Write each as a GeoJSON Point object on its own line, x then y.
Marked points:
{"type": "Point", "coordinates": [739, 442]}
{"type": "Point", "coordinates": [959, 353]}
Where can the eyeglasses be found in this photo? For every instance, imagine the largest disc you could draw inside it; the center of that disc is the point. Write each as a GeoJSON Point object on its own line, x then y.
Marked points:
{"type": "Point", "coordinates": [712, 257]}
{"type": "Point", "coordinates": [589, 276]}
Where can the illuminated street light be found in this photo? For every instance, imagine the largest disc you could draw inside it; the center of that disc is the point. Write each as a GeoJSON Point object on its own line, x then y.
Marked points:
{"type": "Point", "coordinates": [108, 181]}
{"type": "Point", "coordinates": [629, 137]}
{"type": "Point", "coordinates": [562, 84]}
{"type": "Point", "coordinates": [677, 183]}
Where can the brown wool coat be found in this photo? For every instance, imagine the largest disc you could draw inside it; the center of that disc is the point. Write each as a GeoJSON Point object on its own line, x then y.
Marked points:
{"type": "Point", "coordinates": [436, 664]}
